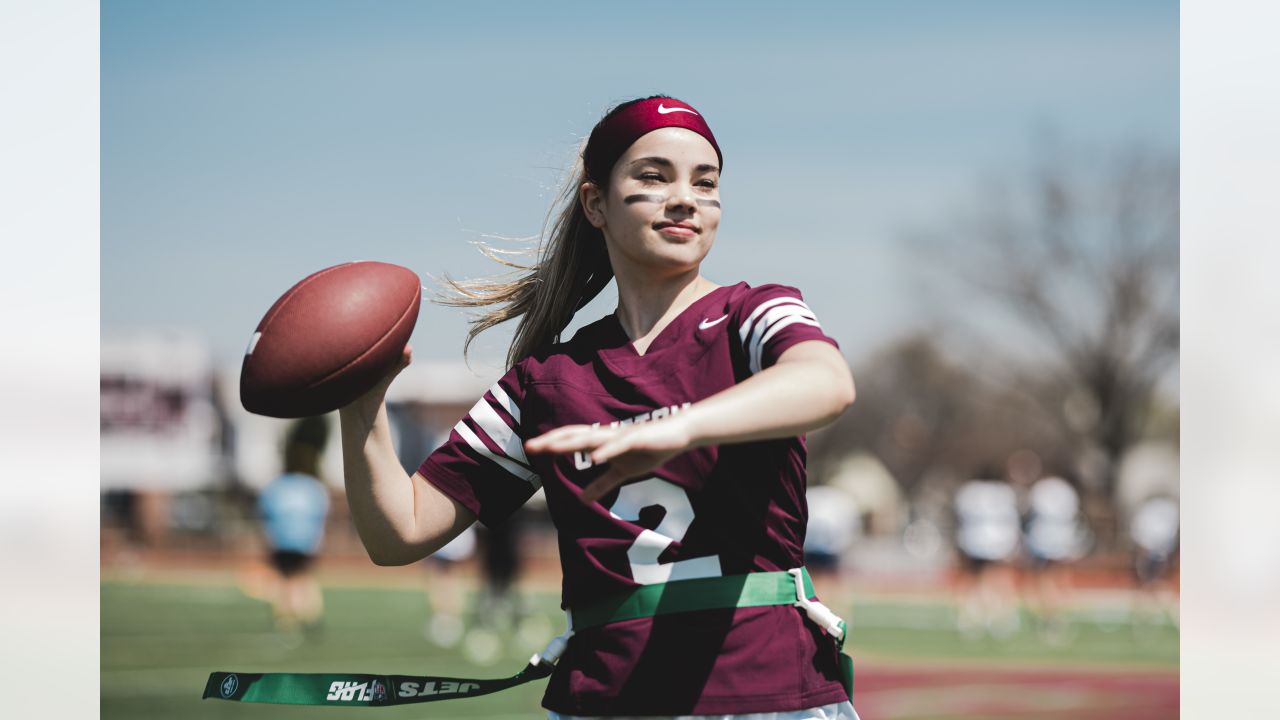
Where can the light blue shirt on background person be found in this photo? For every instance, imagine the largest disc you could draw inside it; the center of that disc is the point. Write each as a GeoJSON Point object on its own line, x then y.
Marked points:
{"type": "Point", "coordinates": [294, 507]}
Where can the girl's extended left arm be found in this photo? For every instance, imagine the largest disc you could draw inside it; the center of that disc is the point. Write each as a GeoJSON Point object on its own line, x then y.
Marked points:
{"type": "Point", "coordinates": [808, 387]}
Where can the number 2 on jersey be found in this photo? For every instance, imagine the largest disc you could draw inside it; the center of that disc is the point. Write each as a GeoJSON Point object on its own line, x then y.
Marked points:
{"type": "Point", "coordinates": [643, 553]}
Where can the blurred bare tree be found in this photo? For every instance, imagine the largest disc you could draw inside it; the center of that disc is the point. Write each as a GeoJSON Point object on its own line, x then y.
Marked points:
{"type": "Point", "coordinates": [1080, 261]}
{"type": "Point", "coordinates": [930, 419]}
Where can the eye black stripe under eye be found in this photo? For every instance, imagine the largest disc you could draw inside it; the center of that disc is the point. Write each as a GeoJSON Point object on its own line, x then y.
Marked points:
{"type": "Point", "coordinates": [639, 198]}
{"type": "Point", "coordinates": [633, 199]}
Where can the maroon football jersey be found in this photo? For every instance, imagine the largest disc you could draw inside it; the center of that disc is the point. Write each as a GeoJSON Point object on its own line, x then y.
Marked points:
{"type": "Point", "coordinates": [721, 510]}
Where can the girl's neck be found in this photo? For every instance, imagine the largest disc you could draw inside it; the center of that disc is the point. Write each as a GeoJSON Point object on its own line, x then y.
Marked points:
{"type": "Point", "coordinates": [646, 306]}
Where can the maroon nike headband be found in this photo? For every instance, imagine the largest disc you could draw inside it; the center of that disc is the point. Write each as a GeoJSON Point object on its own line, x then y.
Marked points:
{"type": "Point", "coordinates": [613, 135]}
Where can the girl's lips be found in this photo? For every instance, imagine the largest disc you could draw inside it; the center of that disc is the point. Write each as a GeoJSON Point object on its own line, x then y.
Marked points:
{"type": "Point", "coordinates": [677, 230]}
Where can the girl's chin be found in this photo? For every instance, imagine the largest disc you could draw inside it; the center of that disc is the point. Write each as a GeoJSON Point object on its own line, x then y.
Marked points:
{"type": "Point", "coordinates": [668, 265]}
{"type": "Point", "coordinates": [665, 254]}
{"type": "Point", "coordinates": [679, 253]}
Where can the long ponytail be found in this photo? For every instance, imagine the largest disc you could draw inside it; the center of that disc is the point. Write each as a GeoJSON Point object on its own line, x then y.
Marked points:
{"type": "Point", "coordinates": [572, 268]}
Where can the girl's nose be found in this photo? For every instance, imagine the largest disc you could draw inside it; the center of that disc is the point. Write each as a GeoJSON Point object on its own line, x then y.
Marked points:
{"type": "Point", "coordinates": [681, 197]}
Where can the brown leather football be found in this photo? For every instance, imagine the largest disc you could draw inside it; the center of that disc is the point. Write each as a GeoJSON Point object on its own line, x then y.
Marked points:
{"type": "Point", "coordinates": [329, 339]}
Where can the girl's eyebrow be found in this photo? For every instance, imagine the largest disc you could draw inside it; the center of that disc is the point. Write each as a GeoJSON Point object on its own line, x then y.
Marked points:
{"type": "Point", "coordinates": [654, 160]}
{"type": "Point", "coordinates": [664, 162]}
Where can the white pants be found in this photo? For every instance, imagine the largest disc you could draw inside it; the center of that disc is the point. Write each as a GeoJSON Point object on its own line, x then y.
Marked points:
{"type": "Point", "coordinates": [835, 711]}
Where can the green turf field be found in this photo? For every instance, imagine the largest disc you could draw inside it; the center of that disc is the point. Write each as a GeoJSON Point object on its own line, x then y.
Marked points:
{"type": "Point", "coordinates": [160, 641]}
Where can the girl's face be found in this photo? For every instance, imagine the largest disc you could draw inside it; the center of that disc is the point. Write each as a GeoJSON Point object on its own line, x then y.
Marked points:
{"type": "Point", "coordinates": [662, 208]}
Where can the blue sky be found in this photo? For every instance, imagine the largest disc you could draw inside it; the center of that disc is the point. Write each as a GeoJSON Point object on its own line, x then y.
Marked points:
{"type": "Point", "coordinates": [247, 144]}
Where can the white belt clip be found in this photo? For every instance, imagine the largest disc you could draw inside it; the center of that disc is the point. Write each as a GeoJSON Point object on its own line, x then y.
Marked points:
{"type": "Point", "coordinates": [554, 649]}
{"type": "Point", "coordinates": [820, 614]}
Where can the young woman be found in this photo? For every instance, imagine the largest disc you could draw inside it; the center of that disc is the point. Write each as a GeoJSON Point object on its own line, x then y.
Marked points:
{"type": "Point", "coordinates": [668, 437]}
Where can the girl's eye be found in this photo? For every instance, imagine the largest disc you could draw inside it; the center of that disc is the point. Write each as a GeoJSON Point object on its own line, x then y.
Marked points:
{"type": "Point", "coordinates": [650, 177]}
{"type": "Point", "coordinates": [710, 184]}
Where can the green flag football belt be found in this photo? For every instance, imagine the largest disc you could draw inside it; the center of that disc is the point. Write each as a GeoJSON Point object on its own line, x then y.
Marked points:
{"type": "Point", "coordinates": [792, 587]}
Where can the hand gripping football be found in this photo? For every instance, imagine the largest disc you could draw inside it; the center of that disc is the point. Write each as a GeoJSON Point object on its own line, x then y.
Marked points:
{"type": "Point", "coordinates": [329, 339]}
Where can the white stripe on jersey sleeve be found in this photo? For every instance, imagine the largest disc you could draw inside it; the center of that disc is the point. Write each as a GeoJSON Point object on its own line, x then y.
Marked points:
{"type": "Point", "coordinates": [505, 401]}
{"type": "Point", "coordinates": [758, 351]}
{"type": "Point", "coordinates": [514, 468]}
{"type": "Point", "coordinates": [746, 324]}
{"type": "Point", "coordinates": [502, 434]}
{"type": "Point", "coordinates": [755, 345]}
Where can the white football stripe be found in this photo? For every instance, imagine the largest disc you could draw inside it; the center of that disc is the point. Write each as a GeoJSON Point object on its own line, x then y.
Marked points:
{"type": "Point", "coordinates": [499, 431]}
{"type": "Point", "coordinates": [772, 316]}
{"type": "Point", "coordinates": [253, 343]}
{"type": "Point", "coordinates": [746, 325]}
{"type": "Point", "coordinates": [506, 402]}
{"type": "Point", "coordinates": [758, 358]}
{"type": "Point", "coordinates": [515, 469]}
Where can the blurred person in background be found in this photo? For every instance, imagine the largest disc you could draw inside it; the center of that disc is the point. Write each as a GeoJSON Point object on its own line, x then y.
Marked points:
{"type": "Point", "coordinates": [478, 618]}
{"type": "Point", "coordinates": [987, 536]}
{"type": "Point", "coordinates": [1154, 531]}
{"type": "Point", "coordinates": [497, 608]}
{"type": "Point", "coordinates": [446, 592]}
{"type": "Point", "coordinates": [834, 525]}
{"type": "Point", "coordinates": [1053, 536]}
{"type": "Point", "coordinates": [293, 508]}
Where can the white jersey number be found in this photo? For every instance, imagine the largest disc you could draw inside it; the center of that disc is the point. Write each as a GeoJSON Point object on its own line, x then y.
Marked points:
{"type": "Point", "coordinates": [644, 552]}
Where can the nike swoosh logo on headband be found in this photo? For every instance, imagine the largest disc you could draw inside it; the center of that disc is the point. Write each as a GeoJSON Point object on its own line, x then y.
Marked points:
{"type": "Point", "coordinates": [668, 110]}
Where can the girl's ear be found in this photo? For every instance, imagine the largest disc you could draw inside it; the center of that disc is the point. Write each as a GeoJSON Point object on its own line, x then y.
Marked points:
{"type": "Point", "coordinates": [592, 200]}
